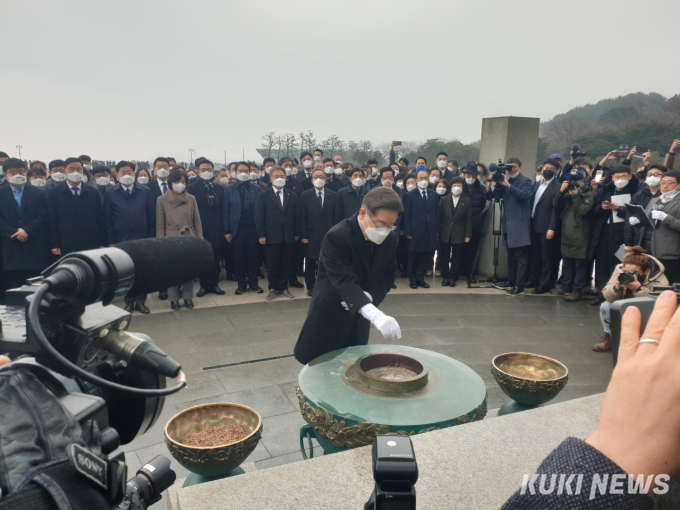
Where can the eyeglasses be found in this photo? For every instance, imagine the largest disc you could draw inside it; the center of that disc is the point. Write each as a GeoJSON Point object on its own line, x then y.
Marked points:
{"type": "Point", "coordinates": [391, 229]}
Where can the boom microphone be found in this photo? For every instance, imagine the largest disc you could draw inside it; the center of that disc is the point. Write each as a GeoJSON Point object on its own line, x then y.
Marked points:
{"type": "Point", "coordinates": [163, 262]}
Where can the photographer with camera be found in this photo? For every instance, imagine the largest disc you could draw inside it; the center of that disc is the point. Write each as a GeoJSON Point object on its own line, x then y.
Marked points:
{"type": "Point", "coordinates": [514, 189]}
{"type": "Point", "coordinates": [635, 277]}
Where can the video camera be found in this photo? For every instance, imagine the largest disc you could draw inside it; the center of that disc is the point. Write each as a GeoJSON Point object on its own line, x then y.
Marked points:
{"type": "Point", "coordinates": [395, 472]}
{"type": "Point", "coordinates": [576, 151]}
{"type": "Point", "coordinates": [499, 171]}
{"type": "Point", "coordinates": [571, 177]}
{"type": "Point", "coordinates": [61, 328]}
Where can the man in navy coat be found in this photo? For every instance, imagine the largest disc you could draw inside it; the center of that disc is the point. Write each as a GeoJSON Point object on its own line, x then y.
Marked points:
{"type": "Point", "coordinates": [515, 191]}
{"type": "Point", "coordinates": [419, 223]}
{"type": "Point", "coordinates": [130, 213]}
{"type": "Point", "coordinates": [75, 213]}
{"type": "Point", "coordinates": [238, 221]}
{"type": "Point", "coordinates": [23, 227]}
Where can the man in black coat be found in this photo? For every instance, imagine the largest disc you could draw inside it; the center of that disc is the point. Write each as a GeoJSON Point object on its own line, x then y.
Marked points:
{"type": "Point", "coordinates": [476, 192]}
{"type": "Point", "coordinates": [319, 211]}
{"type": "Point", "coordinates": [544, 218]}
{"type": "Point", "coordinates": [209, 197]}
{"type": "Point", "coordinates": [161, 170]}
{"type": "Point", "coordinates": [276, 219]}
{"type": "Point", "coordinates": [356, 271]}
{"type": "Point", "coordinates": [420, 226]}
{"type": "Point", "coordinates": [130, 213]}
{"type": "Point", "coordinates": [298, 256]}
{"type": "Point", "coordinates": [75, 214]}
{"type": "Point", "coordinates": [23, 227]}
{"type": "Point", "coordinates": [352, 195]}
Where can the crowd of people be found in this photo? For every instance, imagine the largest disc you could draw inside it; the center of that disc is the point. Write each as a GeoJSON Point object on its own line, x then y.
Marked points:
{"type": "Point", "coordinates": [566, 227]}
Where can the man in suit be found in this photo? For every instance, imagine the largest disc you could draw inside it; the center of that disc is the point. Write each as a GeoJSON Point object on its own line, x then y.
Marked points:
{"type": "Point", "coordinates": [296, 186]}
{"type": "Point", "coordinates": [267, 165]}
{"type": "Point", "coordinates": [319, 212]}
{"type": "Point", "coordinates": [103, 179]}
{"type": "Point", "coordinates": [351, 196]}
{"type": "Point", "coordinates": [209, 197]}
{"type": "Point", "coordinates": [455, 230]}
{"type": "Point", "coordinates": [356, 271]}
{"type": "Point", "coordinates": [238, 222]}
{"type": "Point", "coordinates": [419, 223]}
{"type": "Point", "coordinates": [544, 218]}
{"type": "Point", "coordinates": [307, 166]}
{"type": "Point", "coordinates": [161, 170]}
{"type": "Point", "coordinates": [338, 180]}
{"type": "Point", "coordinates": [515, 191]}
{"type": "Point", "coordinates": [276, 217]}
{"type": "Point", "coordinates": [387, 176]}
{"type": "Point", "coordinates": [75, 214]}
{"type": "Point", "coordinates": [23, 225]}
{"type": "Point", "coordinates": [130, 213]}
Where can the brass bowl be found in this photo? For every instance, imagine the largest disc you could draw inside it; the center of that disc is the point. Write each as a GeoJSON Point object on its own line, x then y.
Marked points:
{"type": "Point", "coordinates": [212, 461]}
{"type": "Point", "coordinates": [544, 379]}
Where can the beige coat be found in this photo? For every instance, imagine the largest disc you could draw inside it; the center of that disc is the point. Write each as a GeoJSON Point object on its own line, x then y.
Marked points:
{"type": "Point", "coordinates": [177, 215]}
{"type": "Point", "coordinates": [613, 292]}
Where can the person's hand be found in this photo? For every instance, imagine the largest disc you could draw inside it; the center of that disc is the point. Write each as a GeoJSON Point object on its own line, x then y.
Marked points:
{"type": "Point", "coordinates": [627, 249]}
{"type": "Point", "coordinates": [488, 185]}
{"type": "Point", "coordinates": [549, 235]}
{"type": "Point", "coordinates": [227, 237]}
{"type": "Point", "coordinates": [56, 251]}
{"type": "Point", "coordinates": [295, 238]}
{"type": "Point", "coordinates": [467, 239]}
{"type": "Point", "coordinates": [505, 182]}
{"type": "Point", "coordinates": [393, 145]}
{"type": "Point", "coordinates": [112, 245]}
{"type": "Point", "coordinates": [659, 215]}
{"type": "Point", "coordinates": [639, 426]}
{"type": "Point", "coordinates": [633, 221]}
{"type": "Point", "coordinates": [610, 155]}
{"type": "Point", "coordinates": [263, 240]}
{"type": "Point", "coordinates": [401, 232]}
{"type": "Point", "coordinates": [571, 158]}
{"type": "Point", "coordinates": [646, 157]}
{"type": "Point", "coordinates": [20, 235]}
{"type": "Point", "coordinates": [594, 185]}
{"type": "Point", "coordinates": [635, 284]}
{"type": "Point", "coordinates": [4, 360]}
{"type": "Point", "coordinates": [632, 151]}
{"type": "Point", "coordinates": [387, 325]}
{"type": "Point", "coordinates": [409, 237]}
{"type": "Point", "coordinates": [614, 206]}
{"type": "Point", "coordinates": [675, 145]}
{"type": "Point", "coordinates": [573, 192]}
{"type": "Point", "coordinates": [305, 241]}
{"type": "Point", "coordinates": [564, 186]}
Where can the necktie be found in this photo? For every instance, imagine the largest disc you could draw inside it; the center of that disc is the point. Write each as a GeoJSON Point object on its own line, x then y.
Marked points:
{"type": "Point", "coordinates": [424, 195]}
{"type": "Point", "coordinates": [17, 195]}
{"type": "Point", "coordinates": [320, 195]}
{"type": "Point", "coordinates": [127, 191]}
{"type": "Point", "coordinates": [165, 187]}
{"type": "Point", "coordinates": [76, 192]}
{"type": "Point", "coordinates": [278, 195]}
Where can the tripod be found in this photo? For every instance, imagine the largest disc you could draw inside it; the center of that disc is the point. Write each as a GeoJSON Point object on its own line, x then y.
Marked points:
{"type": "Point", "coordinates": [497, 238]}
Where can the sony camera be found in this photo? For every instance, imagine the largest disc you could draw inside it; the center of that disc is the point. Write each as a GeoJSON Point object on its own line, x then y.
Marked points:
{"type": "Point", "coordinates": [576, 151]}
{"type": "Point", "coordinates": [499, 171]}
{"type": "Point", "coordinates": [395, 472]}
{"type": "Point", "coordinates": [628, 276]}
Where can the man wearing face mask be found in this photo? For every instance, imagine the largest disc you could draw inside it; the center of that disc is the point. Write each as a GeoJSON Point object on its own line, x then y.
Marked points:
{"type": "Point", "coordinates": [209, 196]}
{"type": "Point", "coordinates": [516, 220]}
{"type": "Point", "coordinates": [387, 177]}
{"type": "Point", "coordinates": [130, 213]}
{"type": "Point", "coordinates": [75, 214]}
{"type": "Point", "coordinates": [454, 226]}
{"type": "Point", "coordinates": [37, 177]}
{"type": "Point", "coordinates": [103, 179]}
{"type": "Point", "coordinates": [373, 174]}
{"type": "Point", "coordinates": [88, 177]}
{"type": "Point", "coordinates": [295, 186]}
{"type": "Point", "coordinates": [56, 174]}
{"type": "Point", "coordinates": [352, 195]}
{"type": "Point", "coordinates": [267, 165]}
{"type": "Point", "coordinates": [475, 191]}
{"type": "Point", "coordinates": [337, 180]}
{"type": "Point", "coordinates": [441, 162]}
{"type": "Point", "coordinates": [632, 234]}
{"type": "Point", "coordinates": [307, 164]}
{"type": "Point", "coordinates": [419, 222]}
{"type": "Point", "coordinates": [319, 211]}
{"type": "Point", "coordinates": [159, 186]}
{"type": "Point", "coordinates": [277, 221]}
{"type": "Point", "coordinates": [318, 154]}
{"type": "Point", "coordinates": [544, 218]}
{"type": "Point", "coordinates": [356, 271]}
{"type": "Point", "coordinates": [23, 225]}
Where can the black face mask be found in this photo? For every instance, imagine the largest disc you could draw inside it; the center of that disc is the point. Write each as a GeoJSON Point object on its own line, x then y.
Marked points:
{"type": "Point", "coordinates": [548, 174]}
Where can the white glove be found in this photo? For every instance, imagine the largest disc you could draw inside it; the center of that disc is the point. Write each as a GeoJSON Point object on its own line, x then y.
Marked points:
{"type": "Point", "coordinates": [659, 215]}
{"type": "Point", "coordinates": [387, 325]}
{"type": "Point", "coordinates": [633, 220]}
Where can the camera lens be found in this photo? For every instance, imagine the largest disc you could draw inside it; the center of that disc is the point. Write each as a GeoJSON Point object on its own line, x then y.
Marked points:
{"type": "Point", "coordinates": [153, 478]}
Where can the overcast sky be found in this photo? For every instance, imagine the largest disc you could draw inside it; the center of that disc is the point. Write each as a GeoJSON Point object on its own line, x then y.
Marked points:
{"type": "Point", "coordinates": [133, 79]}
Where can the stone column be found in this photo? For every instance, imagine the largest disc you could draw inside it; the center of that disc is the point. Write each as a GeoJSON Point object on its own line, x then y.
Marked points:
{"type": "Point", "coordinates": [503, 138]}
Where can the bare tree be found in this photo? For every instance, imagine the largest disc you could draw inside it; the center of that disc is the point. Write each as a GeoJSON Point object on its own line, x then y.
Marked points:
{"type": "Point", "coordinates": [366, 145]}
{"type": "Point", "coordinates": [268, 142]}
{"type": "Point", "coordinates": [623, 117]}
{"type": "Point", "coordinates": [563, 131]}
{"type": "Point", "coordinates": [353, 148]}
{"type": "Point", "coordinates": [289, 142]}
{"type": "Point", "coordinates": [279, 143]}
{"type": "Point", "coordinates": [671, 110]}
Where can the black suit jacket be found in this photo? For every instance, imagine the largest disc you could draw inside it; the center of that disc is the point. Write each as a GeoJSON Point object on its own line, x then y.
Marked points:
{"type": "Point", "coordinates": [129, 217]}
{"type": "Point", "coordinates": [349, 202]}
{"type": "Point", "coordinates": [336, 183]}
{"type": "Point", "coordinates": [419, 220]}
{"type": "Point", "coordinates": [278, 223]}
{"type": "Point", "coordinates": [455, 225]}
{"type": "Point", "coordinates": [32, 254]}
{"type": "Point", "coordinates": [315, 222]}
{"type": "Point", "coordinates": [211, 217]}
{"type": "Point", "coordinates": [294, 185]}
{"type": "Point", "coordinates": [76, 223]}
{"type": "Point", "coordinates": [155, 188]}
{"type": "Point", "coordinates": [546, 216]}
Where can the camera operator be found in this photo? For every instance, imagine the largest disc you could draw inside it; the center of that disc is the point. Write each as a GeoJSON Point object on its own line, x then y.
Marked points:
{"type": "Point", "coordinates": [635, 277]}
{"type": "Point", "coordinates": [515, 191]}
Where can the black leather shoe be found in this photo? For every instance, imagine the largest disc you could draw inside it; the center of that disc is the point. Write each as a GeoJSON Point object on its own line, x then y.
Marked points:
{"type": "Point", "coordinates": [423, 285]}
{"type": "Point", "coordinates": [413, 285]}
{"type": "Point", "coordinates": [240, 291]}
{"type": "Point", "coordinates": [174, 305]}
{"type": "Point", "coordinates": [285, 293]}
{"type": "Point", "coordinates": [445, 283]}
{"type": "Point", "coordinates": [505, 284]}
{"type": "Point", "coordinates": [516, 291]}
{"type": "Point", "coordinates": [310, 292]}
{"type": "Point", "coordinates": [216, 290]}
{"type": "Point", "coordinates": [256, 289]}
{"type": "Point", "coordinates": [296, 284]}
{"type": "Point", "coordinates": [393, 286]}
{"type": "Point", "coordinates": [201, 292]}
{"type": "Point", "coordinates": [189, 304]}
{"type": "Point", "coordinates": [129, 308]}
{"type": "Point", "coordinates": [272, 294]}
{"type": "Point", "coordinates": [539, 290]}
{"type": "Point", "coordinates": [452, 283]}
{"type": "Point", "coordinates": [142, 308]}
{"type": "Point", "coordinates": [162, 296]}
{"type": "Point", "coordinates": [597, 301]}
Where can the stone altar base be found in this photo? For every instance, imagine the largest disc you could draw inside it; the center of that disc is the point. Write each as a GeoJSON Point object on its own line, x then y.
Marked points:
{"type": "Point", "coordinates": [477, 465]}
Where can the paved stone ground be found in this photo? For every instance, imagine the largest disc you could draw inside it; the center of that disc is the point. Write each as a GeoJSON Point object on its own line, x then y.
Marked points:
{"type": "Point", "coordinates": [472, 326]}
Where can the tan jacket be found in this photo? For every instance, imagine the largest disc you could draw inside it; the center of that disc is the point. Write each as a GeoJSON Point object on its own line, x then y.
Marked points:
{"type": "Point", "coordinates": [177, 215]}
{"type": "Point", "coordinates": [611, 295]}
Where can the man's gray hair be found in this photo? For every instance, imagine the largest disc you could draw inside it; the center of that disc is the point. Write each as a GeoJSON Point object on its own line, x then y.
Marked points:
{"type": "Point", "coordinates": [382, 197]}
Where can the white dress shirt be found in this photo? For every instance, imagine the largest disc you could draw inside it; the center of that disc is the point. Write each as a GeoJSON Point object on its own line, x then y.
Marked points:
{"type": "Point", "coordinates": [455, 200]}
{"type": "Point", "coordinates": [72, 187]}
